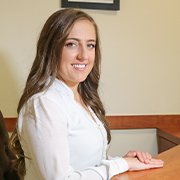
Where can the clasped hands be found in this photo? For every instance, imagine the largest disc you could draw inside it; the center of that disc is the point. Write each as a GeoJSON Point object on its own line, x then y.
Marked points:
{"type": "Point", "coordinates": [141, 160]}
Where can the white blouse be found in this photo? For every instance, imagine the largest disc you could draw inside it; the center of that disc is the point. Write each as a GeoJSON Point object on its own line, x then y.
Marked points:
{"type": "Point", "coordinates": [62, 140]}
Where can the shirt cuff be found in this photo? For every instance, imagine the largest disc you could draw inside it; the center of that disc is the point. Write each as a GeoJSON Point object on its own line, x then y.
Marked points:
{"type": "Point", "coordinates": [116, 166]}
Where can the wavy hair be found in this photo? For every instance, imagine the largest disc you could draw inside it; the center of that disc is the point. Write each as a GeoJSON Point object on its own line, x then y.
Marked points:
{"type": "Point", "coordinates": [46, 63]}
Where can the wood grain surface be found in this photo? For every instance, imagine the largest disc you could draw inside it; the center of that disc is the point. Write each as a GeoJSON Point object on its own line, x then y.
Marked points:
{"type": "Point", "coordinates": [130, 122]}
{"type": "Point", "coordinates": [144, 121]}
{"type": "Point", "coordinates": [170, 171]}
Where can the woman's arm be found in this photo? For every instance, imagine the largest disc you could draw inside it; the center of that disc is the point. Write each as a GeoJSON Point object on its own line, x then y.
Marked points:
{"type": "Point", "coordinates": [136, 165]}
{"type": "Point", "coordinates": [45, 132]}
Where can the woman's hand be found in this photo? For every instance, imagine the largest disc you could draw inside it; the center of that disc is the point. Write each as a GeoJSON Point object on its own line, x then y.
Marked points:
{"type": "Point", "coordinates": [143, 157]}
{"type": "Point", "coordinates": [136, 165]}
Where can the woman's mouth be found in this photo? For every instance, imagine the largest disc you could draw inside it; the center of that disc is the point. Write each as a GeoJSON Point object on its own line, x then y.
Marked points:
{"type": "Point", "coordinates": [79, 65]}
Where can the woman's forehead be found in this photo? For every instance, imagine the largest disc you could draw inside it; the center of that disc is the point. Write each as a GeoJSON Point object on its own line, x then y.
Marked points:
{"type": "Point", "coordinates": [83, 29]}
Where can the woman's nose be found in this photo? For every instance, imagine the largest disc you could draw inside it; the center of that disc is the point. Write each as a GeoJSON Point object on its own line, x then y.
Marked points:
{"type": "Point", "coordinates": [82, 53]}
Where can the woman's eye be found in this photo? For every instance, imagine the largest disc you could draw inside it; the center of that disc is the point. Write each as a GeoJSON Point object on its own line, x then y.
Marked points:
{"type": "Point", "coordinates": [70, 44]}
{"type": "Point", "coordinates": [91, 46]}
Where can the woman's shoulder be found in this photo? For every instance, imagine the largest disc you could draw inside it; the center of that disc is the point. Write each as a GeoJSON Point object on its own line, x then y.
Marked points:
{"type": "Point", "coordinates": [57, 93]}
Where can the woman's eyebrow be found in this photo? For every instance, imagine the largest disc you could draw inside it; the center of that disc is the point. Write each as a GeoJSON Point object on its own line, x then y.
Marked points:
{"type": "Point", "coordinates": [76, 39]}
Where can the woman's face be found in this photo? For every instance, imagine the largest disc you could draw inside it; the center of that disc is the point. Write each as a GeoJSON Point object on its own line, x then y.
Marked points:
{"type": "Point", "coordinates": [78, 53]}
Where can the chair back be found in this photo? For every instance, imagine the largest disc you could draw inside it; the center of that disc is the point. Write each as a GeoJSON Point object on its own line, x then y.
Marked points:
{"type": "Point", "coordinates": [6, 170]}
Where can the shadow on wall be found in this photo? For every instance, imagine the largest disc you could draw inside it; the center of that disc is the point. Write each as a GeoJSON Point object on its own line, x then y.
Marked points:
{"type": "Point", "coordinates": [8, 86]}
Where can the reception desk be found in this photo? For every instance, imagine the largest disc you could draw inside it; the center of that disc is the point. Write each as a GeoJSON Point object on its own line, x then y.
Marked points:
{"type": "Point", "coordinates": [170, 171]}
{"type": "Point", "coordinates": [168, 133]}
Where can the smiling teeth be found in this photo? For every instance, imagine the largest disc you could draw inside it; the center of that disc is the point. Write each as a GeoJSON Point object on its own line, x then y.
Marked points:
{"type": "Point", "coordinates": [79, 65]}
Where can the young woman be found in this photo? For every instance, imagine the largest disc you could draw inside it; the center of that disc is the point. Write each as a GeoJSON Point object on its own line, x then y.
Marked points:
{"type": "Point", "coordinates": [62, 133]}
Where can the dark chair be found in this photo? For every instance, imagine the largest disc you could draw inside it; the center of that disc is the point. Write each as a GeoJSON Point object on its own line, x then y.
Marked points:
{"type": "Point", "coordinates": [6, 171]}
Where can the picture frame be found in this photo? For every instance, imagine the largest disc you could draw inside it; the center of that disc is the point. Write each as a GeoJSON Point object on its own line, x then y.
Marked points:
{"type": "Point", "coordinates": [92, 4]}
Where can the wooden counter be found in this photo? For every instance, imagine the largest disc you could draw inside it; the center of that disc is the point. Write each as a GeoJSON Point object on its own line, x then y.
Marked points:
{"type": "Point", "coordinates": [129, 122]}
{"type": "Point", "coordinates": [170, 171]}
{"type": "Point", "coordinates": [168, 127]}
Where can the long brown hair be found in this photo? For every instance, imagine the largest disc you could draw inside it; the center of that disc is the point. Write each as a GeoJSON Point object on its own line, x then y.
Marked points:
{"type": "Point", "coordinates": [49, 48]}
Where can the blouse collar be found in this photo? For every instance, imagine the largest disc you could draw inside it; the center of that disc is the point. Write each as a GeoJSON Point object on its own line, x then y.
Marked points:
{"type": "Point", "coordinates": [63, 88]}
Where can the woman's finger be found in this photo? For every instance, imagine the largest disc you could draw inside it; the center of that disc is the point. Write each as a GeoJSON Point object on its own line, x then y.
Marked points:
{"type": "Point", "coordinates": [147, 157]}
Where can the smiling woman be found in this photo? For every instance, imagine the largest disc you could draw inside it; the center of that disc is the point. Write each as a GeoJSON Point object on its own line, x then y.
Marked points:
{"type": "Point", "coordinates": [62, 132]}
{"type": "Point", "coordinates": [78, 54]}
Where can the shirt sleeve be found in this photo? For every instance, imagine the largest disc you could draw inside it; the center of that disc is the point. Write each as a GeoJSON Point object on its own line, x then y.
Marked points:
{"type": "Point", "coordinates": [45, 132]}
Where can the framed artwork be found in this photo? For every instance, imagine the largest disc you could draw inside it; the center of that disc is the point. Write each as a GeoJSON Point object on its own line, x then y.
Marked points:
{"type": "Point", "coordinates": [92, 4]}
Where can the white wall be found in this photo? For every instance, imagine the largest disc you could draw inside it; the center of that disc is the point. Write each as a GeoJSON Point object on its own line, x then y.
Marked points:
{"type": "Point", "coordinates": [140, 46]}
{"type": "Point", "coordinates": [141, 57]}
{"type": "Point", "coordinates": [20, 24]}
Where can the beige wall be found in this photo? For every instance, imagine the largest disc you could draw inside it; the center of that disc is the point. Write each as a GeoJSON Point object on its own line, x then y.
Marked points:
{"type": "Point", "coordinates": [140, 46]}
